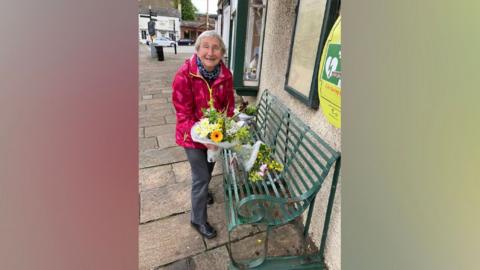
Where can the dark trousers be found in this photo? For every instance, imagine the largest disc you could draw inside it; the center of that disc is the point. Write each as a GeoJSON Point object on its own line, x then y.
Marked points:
{"type": "Point", "coordinates": [201, 175]}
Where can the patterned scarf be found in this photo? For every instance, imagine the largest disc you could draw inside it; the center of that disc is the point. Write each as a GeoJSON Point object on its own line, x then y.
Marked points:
{"type": "Point", "coordinates": [209, 75]}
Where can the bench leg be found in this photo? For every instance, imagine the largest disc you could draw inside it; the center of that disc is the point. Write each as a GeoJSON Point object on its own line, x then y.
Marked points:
{"type": "Point", "coordinates": [248, 264]}
{"type": "Point", "coordinates": [331, 199]}
{"type": "Point", "coordinates": [309, 217]}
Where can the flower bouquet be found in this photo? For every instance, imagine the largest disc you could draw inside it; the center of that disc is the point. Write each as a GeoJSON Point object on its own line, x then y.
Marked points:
{"type": "Point", "coordinates": [263, 163]}
{"type": "Point", "coordinates": [257, 160]}
{"type": "Point", "coordinates": [218, 129]}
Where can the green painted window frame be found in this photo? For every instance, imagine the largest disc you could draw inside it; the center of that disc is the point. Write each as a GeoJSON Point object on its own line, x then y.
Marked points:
{"type": "Point", "coordinates": [238, 46]}
{"type": "Point", "coordinates": [332, 8]}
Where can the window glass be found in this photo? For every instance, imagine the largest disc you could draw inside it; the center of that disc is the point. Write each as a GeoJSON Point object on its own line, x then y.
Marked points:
{"type": "Point", "coordinates": [233, 41]}
{"type": "Point", "coordinates": [226, 31]}
{"type": "Point", "coordinates": [305, 44]}
{"type": "Point", "coordinates": [256, 14]}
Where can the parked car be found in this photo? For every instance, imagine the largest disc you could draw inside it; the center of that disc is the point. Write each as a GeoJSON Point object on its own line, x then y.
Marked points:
{"type": "Point", "coordinates": [163, 41]}
{"type": "Point", "coordinates": [185, 41]}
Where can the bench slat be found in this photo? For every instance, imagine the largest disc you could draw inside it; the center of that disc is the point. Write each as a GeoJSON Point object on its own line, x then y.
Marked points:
{"type": "Point", "coordinates": [272, 184]}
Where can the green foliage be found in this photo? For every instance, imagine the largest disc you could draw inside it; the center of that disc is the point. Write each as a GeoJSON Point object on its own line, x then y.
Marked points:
{"type": "Point", "coordinates": [243, 135]}
{"type": "Point", "coordinates": [188, 10]}
{"type": "Point", "coordinates": [212, 114]}
{"type": "Point", "coordinates": [251, 110]}
{"type": "Point", "coordinates": [245, 108]}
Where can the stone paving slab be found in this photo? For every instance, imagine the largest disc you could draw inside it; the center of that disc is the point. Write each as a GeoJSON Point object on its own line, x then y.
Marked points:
{"type": "Point", "coordinates": [218, 169]}
{"type": "Point", "coordinates": [159, 87]}
{"type": "Point", "coordinates": [171, 119]}
{"type": "Point", "coordinates": [216, 186]}
{"type": "Point", "coordinates": [168, 97]}
{"type": "Point", "coordinates": [165, 241]}
{"type": "Point", "coordinates": [159, 99]}
{"type": "Point", "coordinates": [166, 141]}
{"type": "Point", "coordinates": [182, 172]}
{"type": "Point", "coordinates": [156, 177]}
{"type": "Point", "coordinates": [285, 240]}
{"type": "Point", "coordinates": [152, 90]}
{"type": "Point", "coordinates": [147, 143]}
{"type": "Point", "coordinates": [184, 264]}
{"type": "Point", "coordinates": [249, 247]}
{"type": "Point", "coordinates": [216, 217]}
{"type": "Point", "coordinates": [147, 119]}
{"type": "Point", "coordinates": [150, 158]}
{"type": "Point", "coordinates": [162, 107]}
{"type": "Point", "coordinates": [165, 201]}
{"type": "Point", "coordinates": [161, 130]}
{"type": "Point", "coordinates": [156, 110]}
{"type": "Point", "coordinates": [155, 101]}
{"type": "Point", "coordinates": [215, 259]}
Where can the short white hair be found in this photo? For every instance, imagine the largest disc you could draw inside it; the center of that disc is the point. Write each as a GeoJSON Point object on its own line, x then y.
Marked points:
{"type": "Point", "coordinates": [210, 33]}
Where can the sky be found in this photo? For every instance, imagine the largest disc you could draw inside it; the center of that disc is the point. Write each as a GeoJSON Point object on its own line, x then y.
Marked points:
{"type": "Point", "coordinates": [201, 5]}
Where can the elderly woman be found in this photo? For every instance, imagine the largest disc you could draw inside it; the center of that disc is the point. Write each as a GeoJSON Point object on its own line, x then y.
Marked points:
{"type": "Point", "coordinates": [199, 79]}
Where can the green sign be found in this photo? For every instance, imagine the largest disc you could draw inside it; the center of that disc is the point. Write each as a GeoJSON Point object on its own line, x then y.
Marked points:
{"type": "Point", "coordinates": [333, 66]}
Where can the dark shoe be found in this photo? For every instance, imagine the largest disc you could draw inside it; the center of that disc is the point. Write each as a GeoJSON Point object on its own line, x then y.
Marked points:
{"type": "Point", "coordinates": [205, 230]}
{"type": "Point", "coordinates": [210, 198]}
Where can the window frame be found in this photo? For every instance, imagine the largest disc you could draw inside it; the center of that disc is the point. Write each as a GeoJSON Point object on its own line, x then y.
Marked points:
{"type": "Point", "coordinates": [237, 48]}
{"type": "Point", "coordinates": [330, 14]}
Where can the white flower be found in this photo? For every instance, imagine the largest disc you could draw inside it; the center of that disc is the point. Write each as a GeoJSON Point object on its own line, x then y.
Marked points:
{"type": "Point", "coordinates": [234, 127]}
{"type": "Point", "coordinates": [263, 168]}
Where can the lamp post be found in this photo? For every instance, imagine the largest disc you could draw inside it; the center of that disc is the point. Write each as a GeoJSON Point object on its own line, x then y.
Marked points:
{"type": "Point", "coordinates": [174, 37]}
{"type": "Point", "coordinates": [151, 24]}
{"type": "Point", "coordinates": [174, 31]}
{"type": "Point", "coordinates": [207, 16]}
{"type": "Point", "coordinates": [151, 31]}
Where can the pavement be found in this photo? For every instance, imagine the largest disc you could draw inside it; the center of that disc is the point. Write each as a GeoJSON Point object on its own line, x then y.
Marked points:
{"type": "Point", "coordinates": [166, 239]}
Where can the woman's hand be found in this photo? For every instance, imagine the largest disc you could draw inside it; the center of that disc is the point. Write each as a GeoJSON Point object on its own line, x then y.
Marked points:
{"type": "Point", "coordinates": [211, 147]}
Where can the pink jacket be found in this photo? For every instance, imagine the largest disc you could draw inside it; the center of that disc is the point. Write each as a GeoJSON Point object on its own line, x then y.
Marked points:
{"type": "Point", "coordinates": [191, 94]}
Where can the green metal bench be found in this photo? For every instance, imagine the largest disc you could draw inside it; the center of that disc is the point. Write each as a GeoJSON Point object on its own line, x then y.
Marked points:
{"type": "Point", "coordinates": [283, 197]}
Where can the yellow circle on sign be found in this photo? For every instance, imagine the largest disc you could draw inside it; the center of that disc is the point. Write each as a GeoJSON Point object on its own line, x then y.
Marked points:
{"type": "Point", "coordinates": [330, 76]}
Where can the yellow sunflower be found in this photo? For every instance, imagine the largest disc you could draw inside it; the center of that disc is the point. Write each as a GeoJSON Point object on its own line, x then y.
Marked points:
{"type": "Point", "coordinates": [216, 136]}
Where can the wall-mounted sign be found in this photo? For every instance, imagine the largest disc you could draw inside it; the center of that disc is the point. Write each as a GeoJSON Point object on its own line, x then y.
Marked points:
{"type": "Point", "coordinates": [330, 76]}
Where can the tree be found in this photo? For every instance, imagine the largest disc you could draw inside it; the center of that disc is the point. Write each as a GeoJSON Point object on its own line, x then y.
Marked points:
{"type": "Point", "coordinates": [188, 9]}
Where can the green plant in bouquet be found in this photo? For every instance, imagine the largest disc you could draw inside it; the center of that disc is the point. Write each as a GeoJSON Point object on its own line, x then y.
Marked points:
{"type": "Point", "coordinates": [236, 133]}
{"type": "Point", "coordinates": [213, 115]}
{"type": "Point", "coordinates": [251, 110]}
{"type": "Point", "coordinates": [263, 164]}
{"type": "Point", "coordinates": [247, 109]}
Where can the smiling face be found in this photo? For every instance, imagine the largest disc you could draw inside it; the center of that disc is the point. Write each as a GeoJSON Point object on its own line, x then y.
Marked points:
{"type": "Point", "coordinates": [210, 52]}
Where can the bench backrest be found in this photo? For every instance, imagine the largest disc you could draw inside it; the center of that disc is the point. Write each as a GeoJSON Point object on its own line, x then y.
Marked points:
{"type": "Point", "coordinates": [307, 159]}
